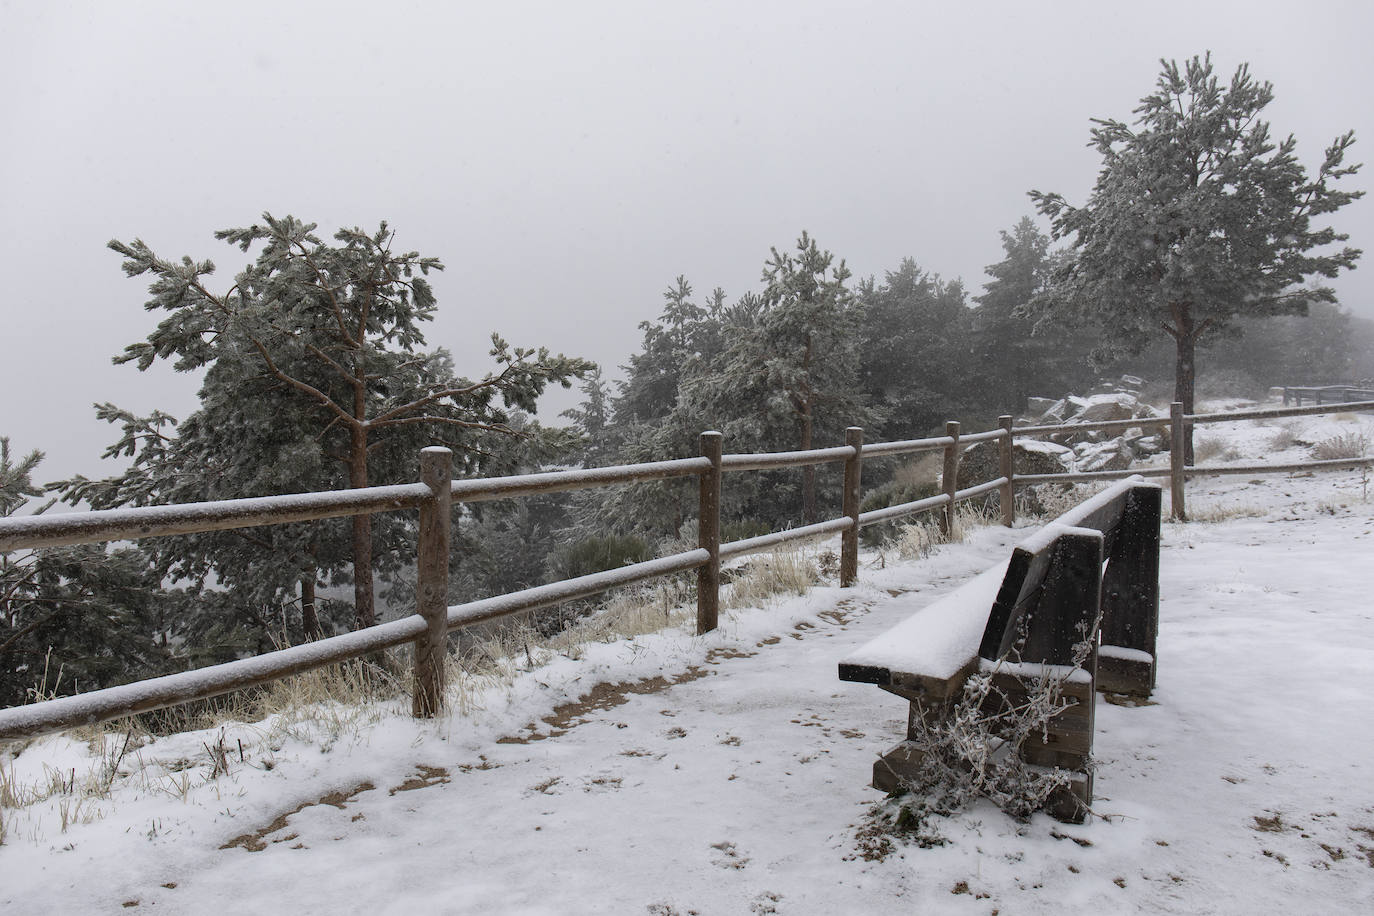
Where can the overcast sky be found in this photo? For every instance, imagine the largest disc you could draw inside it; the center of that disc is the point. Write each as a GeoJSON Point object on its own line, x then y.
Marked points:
{"type": "Point", "coordinates": [568, 160]}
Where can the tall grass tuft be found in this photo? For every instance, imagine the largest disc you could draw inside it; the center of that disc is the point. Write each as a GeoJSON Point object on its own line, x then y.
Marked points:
{"type": "Point", "coordinates": [1346, 445]}
{"type": "Point", "coordinates": [1212, 448]}
{"type": "Point", "coordinates": [784, 572]}
{"type": "Point", "coordinates": [1286, 436]}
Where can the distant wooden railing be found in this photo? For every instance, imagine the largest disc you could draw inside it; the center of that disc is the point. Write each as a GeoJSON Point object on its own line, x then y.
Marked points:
{"type": "Point", "coordinates": [436, 492]}
{"type": "Point", "coordinates": [1327, 394]}
{"type": "Point", "coordinates": [1177, 471]}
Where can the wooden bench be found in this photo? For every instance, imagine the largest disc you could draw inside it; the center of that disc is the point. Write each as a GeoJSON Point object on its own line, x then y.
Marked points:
{"type": "Point", "coordinates": [1021, 624]}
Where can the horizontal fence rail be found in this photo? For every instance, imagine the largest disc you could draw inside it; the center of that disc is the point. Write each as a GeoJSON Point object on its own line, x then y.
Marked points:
{"type": "Point", "coordinates": [907, 447]}
{"type": "Point", "coordinates": [785, 459]}
{"type": "Point", "coordinates": [434, 495]}
{"type": "Point", "coordinates": [489, 488]}
{"type": "Point", "coordinates": [1100, 425]}
{"type": "Point", "coordinates": [70, 528]}
{"type": "Point", "coordinates": [1279, 412]}
{"type": "Point", "coordinates": [777, 538]}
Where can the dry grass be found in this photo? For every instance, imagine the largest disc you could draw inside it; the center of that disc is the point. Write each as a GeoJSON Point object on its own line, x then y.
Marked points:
{"type": "Point", "coordinates": [916, 539]}
{"type": "Point", "coordinates": [626, 614]}
{"type": "Point", "coordinates": [783, 572]}
{"type": "Point", "coordinates": [492, 662]}
{"type": "Point", "coordinates": [1220, 512]}
{"type": "Point", "coordinates": [326, 704]}
{"type": "Point", "coordinates": [74, 796]}
{"type": "Point", "coordinates": [921, 471]}
{"type": "Point", "coordinates": [1287, 435]}
{"type": "Point", "coordinates": [1347, 445]}
{"type": "Point", "coordinates": [1212, 448]}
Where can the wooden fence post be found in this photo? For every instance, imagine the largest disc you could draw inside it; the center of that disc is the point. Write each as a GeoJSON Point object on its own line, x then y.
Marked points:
{"type": "Point", "coordinates": [708, 536]}
{"type": "Point", "coordinates": [1006, 467]}
{"type": "Point", "coordinates": [1176, 471]}
{"type": "Point", "coordinates": [950, 477]}
{"type": "Point", "coordinates": [431, 564]}
{"type": "Point", "coordinates": [849, 544]}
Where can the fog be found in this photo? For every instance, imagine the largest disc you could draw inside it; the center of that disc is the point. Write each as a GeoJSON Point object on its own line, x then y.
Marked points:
{"type": "Point", "coordinates": [567, 161]}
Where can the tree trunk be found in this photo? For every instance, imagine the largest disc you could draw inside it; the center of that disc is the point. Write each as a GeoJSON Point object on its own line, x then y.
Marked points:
{"type": "Point", "coordinates": [364, 612]}
{"type": "Point", "coordinates": [1184, 379]}
{"type": "Point", "coordinates": [809, 510]}
{"type": "Point", "coordinates": [310, 620]}
{"type": "Point", "coordinates": [809, 513]}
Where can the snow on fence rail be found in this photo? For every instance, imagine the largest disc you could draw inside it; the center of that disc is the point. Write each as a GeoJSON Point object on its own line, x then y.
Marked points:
{"type": "Point", "coordinates": [436, 491]}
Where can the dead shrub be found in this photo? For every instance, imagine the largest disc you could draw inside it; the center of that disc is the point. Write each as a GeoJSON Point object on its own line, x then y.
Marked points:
{"type": "Point", "coordinates": [1213, 448]}
{"type": "Point", "coordinates": [1346, 445]}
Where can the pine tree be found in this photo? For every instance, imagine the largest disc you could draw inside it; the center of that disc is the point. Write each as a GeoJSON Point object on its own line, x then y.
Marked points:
{"type": "Point", "coordinates": [73, 618]}
{"type": "Point", "coordinates": [915, 345]}
{"type": "Point", "coordinates": [1198, 217]}
{"type": "Point", "coordinates": [1013, 361]}
{"type": "Point", "coordinates": [316, 377]}
{"type": "Point", "coordinates": [788, 373]}
{"type": "Point", "coordinates": [684, 337]}
{"type": "Point", "coordinates": [648, 419]}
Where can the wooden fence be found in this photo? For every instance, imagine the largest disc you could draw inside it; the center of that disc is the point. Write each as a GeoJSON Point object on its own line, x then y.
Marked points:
{"type": "Point", "coordinates": [435, 493]}
{"type": "Point", "coordinates": [1327, 394]}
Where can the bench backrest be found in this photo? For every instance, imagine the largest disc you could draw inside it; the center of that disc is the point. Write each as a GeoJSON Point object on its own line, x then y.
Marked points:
{"type": "Point", "coordinates": [1046, 601]}
{"type": "Point", "coordinates": [1055, 587]}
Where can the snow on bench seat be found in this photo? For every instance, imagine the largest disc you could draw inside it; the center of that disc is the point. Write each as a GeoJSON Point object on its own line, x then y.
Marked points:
{"type": "Point", "coordinates": [932, 651]}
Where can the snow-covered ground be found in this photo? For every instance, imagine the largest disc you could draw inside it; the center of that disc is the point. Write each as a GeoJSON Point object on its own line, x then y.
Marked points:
{"type": "Point", "coordinates": [729, 773]}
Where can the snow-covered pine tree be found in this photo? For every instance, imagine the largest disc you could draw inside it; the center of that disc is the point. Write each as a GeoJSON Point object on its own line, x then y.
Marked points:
{"type": "Point", "coordinates": [591, 420]}
{"type": "Point", "coordinates": [648, 421]}
{"type": "Point", "coordinates": [681, 336]}
{"type": "Point", "coordinates": [327, 338]}
{"type": "Point", "coordinates": [73, 618]}
{"type": "Point", "coordinates": [915, 345]}
{"type": "Point", "coordinates": [789, 371]}
{"type": "Point", "coordinates": [1011, 362]}
{"type": "Point", "coordinates": [1198, 217]}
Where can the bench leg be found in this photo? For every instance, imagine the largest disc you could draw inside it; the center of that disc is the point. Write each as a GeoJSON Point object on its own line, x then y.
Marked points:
{"type": "Point", "coordinates": [1070, 804]}
{"type": "Point", "coordinates": [893, 771]}
{"type": "Point", "coordinates": [1129, 673]}
{"type": "Point", "coordinates": [1066, 744]}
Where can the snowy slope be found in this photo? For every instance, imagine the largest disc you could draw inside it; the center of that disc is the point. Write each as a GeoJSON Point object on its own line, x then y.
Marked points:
{"type": "Point", "coordinates": [1246, 787]}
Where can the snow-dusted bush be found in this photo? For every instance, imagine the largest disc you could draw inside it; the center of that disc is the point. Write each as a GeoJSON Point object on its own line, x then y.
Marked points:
{"type": "Point", "coordinates": [1286, 436]}
{"type": "Point", "coordinates": [1346, 445]}
{"type": "Point", "coordinates": [972, 752]}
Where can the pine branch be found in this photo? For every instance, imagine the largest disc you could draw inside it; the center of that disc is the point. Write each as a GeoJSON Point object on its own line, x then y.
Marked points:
{"type": "Point", "coordinates": [449, 421]}
{"type": "Point", "coordinates": [329, 291]}
{"type": "Point", "coordinates": [305, 388]}
{"type": "Point", "coordinates": [347, 376]}
{"type": "Point", "coordinates": [418, 403]}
